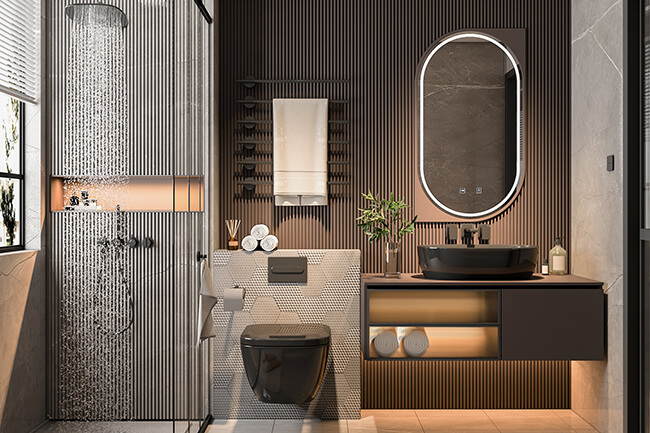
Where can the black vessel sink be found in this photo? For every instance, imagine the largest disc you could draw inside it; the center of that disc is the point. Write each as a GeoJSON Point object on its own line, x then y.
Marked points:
{"type": "Point", "coordinates": [477, 262]}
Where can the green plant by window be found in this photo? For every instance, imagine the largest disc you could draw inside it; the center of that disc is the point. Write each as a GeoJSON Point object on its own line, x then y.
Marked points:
{"type": "Point", "coordinates": [8, 212]}
{"type": "Point", "coordinates": [385, 219]}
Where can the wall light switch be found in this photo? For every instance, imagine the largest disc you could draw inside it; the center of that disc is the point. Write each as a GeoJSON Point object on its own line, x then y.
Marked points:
{"type": "Point", "coordinates": [610, 162]}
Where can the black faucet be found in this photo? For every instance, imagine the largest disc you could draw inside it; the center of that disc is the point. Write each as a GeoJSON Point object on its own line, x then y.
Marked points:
{"type": "Point", "coordinates": [484, 234]}
{"type": "Point", "coordinates": [451, 234]}
{"type": "Point", "coordinates": [467, 231]}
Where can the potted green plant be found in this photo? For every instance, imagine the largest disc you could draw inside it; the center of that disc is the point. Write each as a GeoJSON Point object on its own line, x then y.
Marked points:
{"type": "Point", "coordinates": [386, 220]}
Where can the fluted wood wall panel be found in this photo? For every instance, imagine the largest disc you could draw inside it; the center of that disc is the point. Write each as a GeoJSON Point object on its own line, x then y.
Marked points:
{"type": "Point", "coordinates": [376, 45]}
{"type": "Point", "coordinates": [465, 384]}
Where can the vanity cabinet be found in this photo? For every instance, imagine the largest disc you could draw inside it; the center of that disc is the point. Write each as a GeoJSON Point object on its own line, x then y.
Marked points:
{"type": "Point", "coordinates": [547, 318]}
{"type": "Point", "coordinates": [553, 323]}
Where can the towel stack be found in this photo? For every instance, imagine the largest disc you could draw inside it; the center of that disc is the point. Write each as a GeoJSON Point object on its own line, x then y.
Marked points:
{"type": "Point", "coordinates": [260, 237]}
{"type": "Point", "coordinates": [414, 341]}
{"type": "Point", "coordinates": [385, 342]}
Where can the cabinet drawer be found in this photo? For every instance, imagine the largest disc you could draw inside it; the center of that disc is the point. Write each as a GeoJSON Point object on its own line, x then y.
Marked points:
{"type": "Point", "coordinates": [553, 324]}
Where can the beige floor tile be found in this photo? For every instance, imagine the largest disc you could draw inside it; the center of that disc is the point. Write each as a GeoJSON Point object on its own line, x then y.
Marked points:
{"type": "Point", "coordinates": [107, 427]}
{"type": "Point", "coordinates": [573, 419]}
{"type": "Point", "coordinates": [457, 420]}
{"type": "Point", "coordinates": [544, 430]}
{"type": "Point", "coordinates": [353, 428]}
{"type": "Point", "coordinates": [386, 421]}
{"type": "Point", "coordinates": [527, 420]}
{"type": "Point", "coordinates": [455, 430]}
{"type": "Point", "coordinates": [388, 413]}
{"type": "Point", "coordinates": [435, 413]}
{"type": "Point", "coordinates": [241, 426]}
{"type": "Point", "coordinates": [310, 426]}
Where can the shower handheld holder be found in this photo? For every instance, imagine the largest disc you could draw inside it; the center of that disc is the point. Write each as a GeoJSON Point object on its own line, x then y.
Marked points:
{"type": "Point", "coordinates": [116, 249]}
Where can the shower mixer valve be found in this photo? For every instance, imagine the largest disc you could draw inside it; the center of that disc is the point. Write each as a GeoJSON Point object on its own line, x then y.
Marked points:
{"type": "Point", "coordinates": [133, 242]}
{"type": "Point", "coordinates": [118, 242]}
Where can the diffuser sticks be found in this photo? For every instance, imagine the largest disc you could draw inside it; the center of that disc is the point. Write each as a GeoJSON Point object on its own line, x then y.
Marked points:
{"type": "Point", "coordinates": [233, 227]}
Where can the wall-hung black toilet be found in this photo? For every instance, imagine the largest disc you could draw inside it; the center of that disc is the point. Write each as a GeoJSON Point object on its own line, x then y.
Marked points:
{"type": "Point", "coordinates": [285, 363]}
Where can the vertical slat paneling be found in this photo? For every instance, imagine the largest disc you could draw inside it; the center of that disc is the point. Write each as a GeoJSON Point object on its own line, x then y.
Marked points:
{"type": "Point", "coordinates": [465, 384]}
{"type": "Point", "coordinates": [150, 62]}
{"type": "Point", "coordinates": [161, 375]}
{"type": "Point", "coordinates": [166, 52]}
{"type": "Point", "coordinates": [377, 46]}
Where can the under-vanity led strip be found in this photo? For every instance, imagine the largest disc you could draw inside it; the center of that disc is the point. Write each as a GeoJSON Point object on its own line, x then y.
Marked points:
{"type": "Point", "coordinates": [515, 185]}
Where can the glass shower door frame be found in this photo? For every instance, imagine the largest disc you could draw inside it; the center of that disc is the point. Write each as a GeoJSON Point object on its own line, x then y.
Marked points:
{"type": "Point", "coordinates": [636, 237]}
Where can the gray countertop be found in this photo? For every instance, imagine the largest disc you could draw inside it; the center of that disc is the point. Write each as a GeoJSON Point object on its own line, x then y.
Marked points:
{"type": "Point", "coordinates": [538, 280]}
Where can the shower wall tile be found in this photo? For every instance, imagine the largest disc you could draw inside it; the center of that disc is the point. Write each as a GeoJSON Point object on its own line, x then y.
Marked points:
{"type": "Point", "coordinates": [330, 297]}
{"type": "Point", "coordinates": [34, 177]}
{"type": "Point", "coordinates": [156, 370]}
{"type": "Point", "coordinates": [597, 196]}
{"type": "Point", "coordinates": [166, 100]}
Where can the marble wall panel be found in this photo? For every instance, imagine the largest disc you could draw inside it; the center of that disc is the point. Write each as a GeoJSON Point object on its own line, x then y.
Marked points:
{"type": "Point", "coordinates": [22, 341]}
{"type": "Point", "coordinates": [597, 196]}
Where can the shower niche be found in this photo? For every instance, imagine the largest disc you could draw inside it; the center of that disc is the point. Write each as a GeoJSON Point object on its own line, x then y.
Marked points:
{"type": "Point", "coordinates": [129, 130]}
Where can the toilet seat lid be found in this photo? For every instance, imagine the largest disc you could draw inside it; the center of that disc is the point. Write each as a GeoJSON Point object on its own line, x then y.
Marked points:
{"type": "Point", "coordinates": [299, 335]}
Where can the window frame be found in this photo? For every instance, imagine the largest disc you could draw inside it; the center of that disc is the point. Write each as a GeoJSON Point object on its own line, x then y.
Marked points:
{"type": "Point", "coordinates": [21, 178]}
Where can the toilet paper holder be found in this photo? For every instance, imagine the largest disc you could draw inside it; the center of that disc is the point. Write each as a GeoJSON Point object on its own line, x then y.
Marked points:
{"type": "Point", "coordinates": [233, 299]}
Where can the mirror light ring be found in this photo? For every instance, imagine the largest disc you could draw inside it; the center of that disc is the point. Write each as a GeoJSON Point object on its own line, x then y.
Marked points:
{"type": "Point", "coordinates": [518, 177]}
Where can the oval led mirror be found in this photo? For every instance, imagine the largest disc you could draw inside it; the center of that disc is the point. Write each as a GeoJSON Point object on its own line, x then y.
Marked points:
{"type": "Point", "coordinates": [470, 150]}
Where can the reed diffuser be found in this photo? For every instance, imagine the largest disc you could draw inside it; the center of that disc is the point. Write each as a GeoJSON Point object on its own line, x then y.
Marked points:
{"type": "Point", "coordinates": [233, 227]}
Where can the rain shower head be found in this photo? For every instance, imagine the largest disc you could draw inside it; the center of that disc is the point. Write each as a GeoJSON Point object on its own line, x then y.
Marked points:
{"type": "Point", "coordinates": [72, 9]}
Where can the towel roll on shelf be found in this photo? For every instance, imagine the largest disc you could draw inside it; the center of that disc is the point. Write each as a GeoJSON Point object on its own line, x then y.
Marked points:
{"type": "Point", "coordinates": [414, 341]}
{"type": "Point", "coordinates": [249, 243]}
{"type": "Point", "coordinates": [385, 342]}
{"type": "Point", "coordinates": [269, 243]}
{"type": "Point", "coordinates": [260, 231]}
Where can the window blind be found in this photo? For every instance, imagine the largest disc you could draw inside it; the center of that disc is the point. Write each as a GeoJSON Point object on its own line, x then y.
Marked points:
{"type": "Point", "coordinates": [19, 49]}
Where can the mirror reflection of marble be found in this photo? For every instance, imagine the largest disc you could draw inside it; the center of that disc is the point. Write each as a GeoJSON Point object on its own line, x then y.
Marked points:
{"type": "Point", "coordinates": [470, 144]}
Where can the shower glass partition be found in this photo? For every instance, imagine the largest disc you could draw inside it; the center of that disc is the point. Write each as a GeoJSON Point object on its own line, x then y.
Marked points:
{"type": "Point", "coordinates": [129, 126]}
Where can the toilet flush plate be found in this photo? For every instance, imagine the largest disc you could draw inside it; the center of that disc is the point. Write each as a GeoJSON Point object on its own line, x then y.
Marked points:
{"type": "Point", "coordinates": [287, 269]}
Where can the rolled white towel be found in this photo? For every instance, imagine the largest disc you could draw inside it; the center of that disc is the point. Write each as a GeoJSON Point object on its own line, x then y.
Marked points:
{"type": "Point", "coordinates": [269, 243]}
{"type": "Point", "coordinates": [385, 343]}
{"type": "Point", "coordinates": [260, 231]}
{"type": "Point", "coordinates": [415, 342]}
{"type": "Point", "coordinates": [249, 243]}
